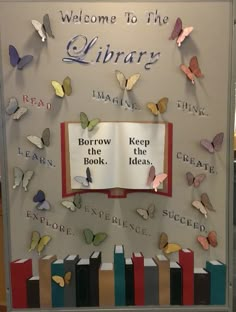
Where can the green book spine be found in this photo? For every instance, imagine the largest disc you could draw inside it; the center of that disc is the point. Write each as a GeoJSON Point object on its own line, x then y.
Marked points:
{"type": "Point", "coordinates": [57, 268]}
{"type": "Point", "coordinates": [119, 276]}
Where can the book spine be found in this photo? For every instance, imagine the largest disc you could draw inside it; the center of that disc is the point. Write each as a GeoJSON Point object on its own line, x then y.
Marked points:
{"type": "Point", "coordinates": [150, 286]}
{"type": "Point", "coordinates": [82, 287]}
{"type": "Point", "coordinates": [163, 282]}
{"type": "Point", "coordinates": [33, 293]}
{"type": "Point", "coordinates": [176, 286]}
{"type": "Point", "coordinates": [138, 280]}
{"type": "Point", "coordinates": [20, 273]}
{"type": "Point", "coordinates": [187, 262]}
{"type": "Point", "coordinates": [45, 282]}
{"type": "Point", "coordinates": [106, 288]}
{"type": "Point", "coordinates": [93, 281]}
{"type": "Point", "coordinates": [129, 284]}
{"type": "Point", "coordinates": [217, 283]}
{"type": "Point", "coordinates": [70, 289]}
{"type": "Point", "coordinates": [57, 291]}
{"type": "Point", "coordinates": [119, 274]}
{"type": "Point", "coordinates": [201, 288]}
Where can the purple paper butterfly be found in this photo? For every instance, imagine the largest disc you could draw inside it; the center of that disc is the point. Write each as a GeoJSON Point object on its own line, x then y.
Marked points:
{"type": "Point", "coordinates": [215, 145]}
{"type": "Point", "coordinates": [42, 203]}
{"type": "Point", "coordinates": [18, 61]}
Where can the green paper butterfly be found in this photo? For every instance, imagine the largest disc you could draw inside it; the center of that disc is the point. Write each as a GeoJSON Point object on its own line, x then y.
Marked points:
{"type": "Point", "coordinates": [96, 239]}
{"type": "Point", "coordinates": [86, 123]}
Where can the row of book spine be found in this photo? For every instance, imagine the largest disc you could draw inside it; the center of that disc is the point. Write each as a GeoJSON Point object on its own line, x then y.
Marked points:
{"type": "Point", "coordinates": [134, 281]}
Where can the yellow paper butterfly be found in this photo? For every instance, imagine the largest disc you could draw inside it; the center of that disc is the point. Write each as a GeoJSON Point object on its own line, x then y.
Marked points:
{"type": "Point", "coordinates": [167, 247]}
{"type": "Point", "coordinates": [64, 89]}
{"type": "Point", "coordinates": [62, 281]}
{"type": "Point", "coordinates": [158, 108]}
{"type": "Point", "coordinates": [39, 242]}
{"type": "Point", "coordinates": [86, 123]}
{"type": "Point", "coordinates": [126, 84]}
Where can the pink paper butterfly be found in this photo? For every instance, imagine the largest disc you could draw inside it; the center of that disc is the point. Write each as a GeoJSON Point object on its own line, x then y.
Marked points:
{"type": "Point", "coordinates": [155, 180]}
{"type": "Point", "coordinates": [211, 240]}
{"type": "Point", "coordinates": [195, 181]}
{"type": "Point", "coordinates": [180, 33]}
{"type": "Point", "coordinates": [215, 145]}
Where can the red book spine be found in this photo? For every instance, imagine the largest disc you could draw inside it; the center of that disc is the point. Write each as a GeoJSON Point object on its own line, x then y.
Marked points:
{"type": "Point", "coordinates": [186, 260]}
{"type": "Point", "coordinates": [138, 263]}
{"type": "Point", "coordinates": [20, 271]}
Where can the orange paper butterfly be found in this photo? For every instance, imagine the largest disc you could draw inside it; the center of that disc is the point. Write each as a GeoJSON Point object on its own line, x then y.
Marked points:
{"type": "Point", "coordinates": [210, 240]}
{"type": "Point", "coordinates": [192, 70]}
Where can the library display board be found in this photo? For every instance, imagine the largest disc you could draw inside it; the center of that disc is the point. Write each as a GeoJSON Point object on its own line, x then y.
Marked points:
{"type": "Point", "coordinates": [116, 154]}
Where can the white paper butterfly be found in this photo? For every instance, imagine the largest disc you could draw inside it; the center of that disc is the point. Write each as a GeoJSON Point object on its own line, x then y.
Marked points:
{"type": "Point", "coordinates": [72, 205]}
{"type": "Point", "coordinates": [43, 29]}
{"type": "Point", "coordinates": [147, 213]}
{"type": "Point", "coordinates": [84, 180]}
{"type": "Point", "coordinates": [20, 176]}
{"type": "Point", "coordinates": [126, 84]}
{"type": "Point", "coordinates": [40, 142]}
{"type": "Point", "coordinates": [14, 110]}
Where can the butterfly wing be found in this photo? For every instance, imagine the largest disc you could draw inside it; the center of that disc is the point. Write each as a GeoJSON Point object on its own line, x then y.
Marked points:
{"type": "Point", "coordinates": [198, 205]}
{"type": "Point", "coordinates": [199, 179]}
{"type": "Point", "coordinates": [39, 197]}
{"type": "Point", "coordinates": [67, 86]}
{"type": "Point", "coordinates": [153, 108]}
{"type": "Point", "coordinates": [206, 202]}
{"type": "Point", "coordinates": [218, 141]}
{"type": "Point", "coordinates": [92, 123]}
{"type": "Point", "coordinates": [151, 211]}
{"type": "Point", "coordinates": [14, 56]}
{"type": "Point", "coordinates": [194, 67]}
{"type": "Point", "coordinates": [19, 113]}
{"type": "Point", "coordinates": [184, 34]}
{"type": "Point", "coordinates": [47, 25]}
{"type": "Point", "coordinates": [12, 106]}
{"type": "Point", "coordinates": [177, 29]}
{"type": "Point", "coordinates": [151, 175]}
{"type": "Point", "coordinates": [203, 242]}
{"type": "Point", "coordinates": [58, 280]}
{"type": "Point", "coordinates": [88, 236]}
{"type": "Point", "coordinates": [212, 238]}
{"type": "Point", "coordinates": [77, 201]}
{"type": "Point", "coordinates": [143, 213]}
{"type": "Point", "coordinates": [84, 120]}
{"type": "Point", "coordinates": [43, 243]}
{"type": "Point", "coordinates": [18, 176]}
{"type": "Point", "coordinates": [40, 29]}
{"type": "Point", "coordinates": [67, 278]}
{"type": "Point", "coordinates": [190, 178]}
{"type": "Point", "coordinates": [187, 72]}
{"type": "Point", "coordinates": [207, 145]}
{"type": "Point", "coordinates": [88, 175]}
{"type": "Point", "coordinates": [121, 79]}
{"type": "Point", "coordinates": [46, 137]}
{"type": "Point", "coordinates": [35, 237]}
{"type": "Point", "coordinates": [58, 88]}
{"type": "Point", "coordinates": [82, 180]}
{"type": "Point", "coordinates": [43, 205]}
{"type": "Point", "coordinates": [99, 238]}
{"type": "Point", "coordinates": [26, 179]}
{"type": "Point", "coordinates": [163, 240]}
{"type": "Point", "coordinates": [132, 80]}
{"type": "Point", "coordinates": [162, 104]}
{"type": "Point", "coordinates": [36, 141]}
{"type": "Point", "coordinates": [69, 205]}
{"type": "Point", "coordinates": [171, 247]}
{"type": "Point", "coordinates": [25, 60]}
{"type": "Point", "coordinates": [158, 180]}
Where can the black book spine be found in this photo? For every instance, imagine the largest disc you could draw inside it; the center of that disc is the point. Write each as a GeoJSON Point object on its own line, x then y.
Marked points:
{"type": "Point", "coordinates": [94, 280]}
{"type": "Point", "coordinates": [33, 293]}
{"type": "Point", "coordinates": [129, 284]}
{"type": "Point", "coordinates": [82, 287]}
{"type": "Point", "coordinates": [175, 286]}
{"type": "Point", "coordinates": [202, 288]}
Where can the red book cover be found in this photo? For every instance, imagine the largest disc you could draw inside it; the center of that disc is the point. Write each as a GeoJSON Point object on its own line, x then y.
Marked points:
{"type": "Point", "coordinates": [138, 262]}
{"type": "Point", "coordinates": [21, 271]}
{"type": "Point", "coordinates": [186, 260]}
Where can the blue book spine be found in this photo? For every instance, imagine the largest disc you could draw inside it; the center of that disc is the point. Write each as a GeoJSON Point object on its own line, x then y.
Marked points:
{"type": "Point", "coordinates": [119, 276]}
{"type": "Point", "coordinates": [217, 271]}
{"type": "Point", "coordinates": [57, 268]}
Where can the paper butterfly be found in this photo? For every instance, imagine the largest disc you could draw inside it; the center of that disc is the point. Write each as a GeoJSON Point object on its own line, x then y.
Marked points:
{"type": "Point", "coordinates": [72, 205]}
{"type": "Point", "coordinates": [180, 33]}
{"type": "Point", "coordinates": [96, 239]}
{"type": "Point", "coordinates": [215, 145]}
{"type": "Point", "coordinates": [159, 107]}
{"type": "Point", "coordinates": [38, 242]}
{"type": "Point", "coordinates": [155, 180]}
{"type": "Point", "coordinates": [147, 213]}
{"type": "Point", "coordinates": [192, 70]}
{"type": "Point", "coordinates": [203, 204]}
{"type": "Point", "coordinates": [14, 110]}
{"type": "Point", "coordinates": [62, 281]}
{"type": "Point", "coordinates": [126, 84]}
{"type": "Point", "coordinates": [211, 240]}
{"type": "Point", "coordinates": [43, 29]}
{"type": "Point", "coordinates": [84, 180]}
{"type": "Point", "coordinates": [64, 89]}
{"type": "Point", "coordinates": [18, 61]}
{"type": "Point", "coordinates": [195, 181]}
{"type": "Point", "coordinates": [86, 123]}
{"type": "Point", "coordinates": [167, 247]}
{"type": "Point", "coordinates": [20, 176]}
{"type": "Point", "coordinates": [40, 142]}
{"type": "Point", "coordinates": [40, 199]}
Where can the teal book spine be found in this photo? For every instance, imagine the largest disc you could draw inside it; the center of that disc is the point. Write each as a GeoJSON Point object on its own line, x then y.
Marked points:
{"type": "Point", "coordinates": [119, 276]}
{"type": "Point", "coordinates": [217, 271]}
{"type": "Point", "coordinates": [57, 268]}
